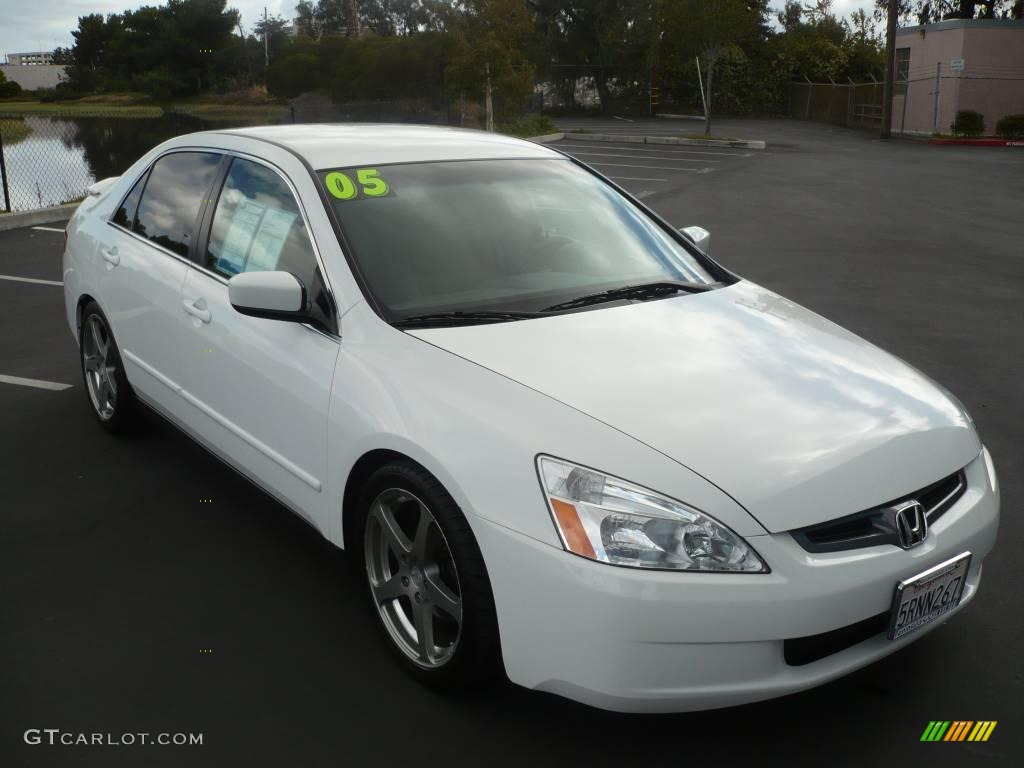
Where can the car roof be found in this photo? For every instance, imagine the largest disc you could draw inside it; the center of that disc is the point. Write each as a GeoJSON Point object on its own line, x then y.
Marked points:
{"type": "Point", "coordinates": [338, 145]}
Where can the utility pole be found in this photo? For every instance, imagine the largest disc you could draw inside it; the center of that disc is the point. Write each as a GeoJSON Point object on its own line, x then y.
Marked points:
{"type": "Point", "coordinates": [353, 18]}
{"type": "Point", "coordinates": [489, 102]}
{"type": "Point", "coordinates": [890, 68]}
{"type": "Point", "coordinates": [266, 44]}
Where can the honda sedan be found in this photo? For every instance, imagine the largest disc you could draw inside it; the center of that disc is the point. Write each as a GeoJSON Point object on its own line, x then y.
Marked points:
{"type": "Point", "coordinates": [558, 441]}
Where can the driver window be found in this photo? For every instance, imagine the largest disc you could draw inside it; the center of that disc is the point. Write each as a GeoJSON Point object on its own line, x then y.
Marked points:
{"type": "Point", "coordinates": [257, 226]}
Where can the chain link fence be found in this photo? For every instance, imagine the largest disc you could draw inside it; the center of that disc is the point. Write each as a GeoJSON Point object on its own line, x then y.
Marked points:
{"type": "Point", "coordinates": [925, 101]}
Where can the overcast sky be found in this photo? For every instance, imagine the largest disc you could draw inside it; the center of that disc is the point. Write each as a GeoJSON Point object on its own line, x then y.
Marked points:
{"type": "Point", "coordinates": [30, 25]}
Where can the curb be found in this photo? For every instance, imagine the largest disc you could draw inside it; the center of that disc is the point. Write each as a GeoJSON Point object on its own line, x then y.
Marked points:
{"type": "Point", "coordinates": [978, 142]}
{"type": "Point", "coordinates": [738, 143]}
{"type": "Point", "coordinates": [40, 216]}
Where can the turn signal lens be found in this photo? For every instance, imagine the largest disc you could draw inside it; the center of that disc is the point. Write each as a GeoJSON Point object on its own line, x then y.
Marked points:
{"type": "Point", "coordinates": [603, 518]}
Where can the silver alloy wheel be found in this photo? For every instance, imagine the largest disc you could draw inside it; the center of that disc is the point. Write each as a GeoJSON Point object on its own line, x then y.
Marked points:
{"type": "Point", "coordinates": [413, 578]}
{"type": "Point", "coordinates": [97, 346]}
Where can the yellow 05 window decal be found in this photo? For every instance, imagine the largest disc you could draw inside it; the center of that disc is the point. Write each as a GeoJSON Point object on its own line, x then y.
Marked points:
{"type": "Point", "coordinates": [356, 184]}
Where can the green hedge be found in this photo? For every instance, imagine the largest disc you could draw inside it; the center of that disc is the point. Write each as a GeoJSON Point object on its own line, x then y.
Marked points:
{"type": "Point", "coordinates": [968, 123]}
{"type": "Point", "coordinates": [1011, 127]}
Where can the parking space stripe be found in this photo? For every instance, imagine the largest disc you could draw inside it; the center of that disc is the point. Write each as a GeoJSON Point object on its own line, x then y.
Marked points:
{"type": "Point", "coordinates": [37, 383]}
{"type": "Point", "coordinates": [49, 229]}
{"type": "Point", "coordinates": [30, 280]}
{"type": "Point", "coordinates": [634, 157]}
{"type": "Point", "coordinates": [653, 167]}
{"type": "Point", "coordinates": [696, 151]}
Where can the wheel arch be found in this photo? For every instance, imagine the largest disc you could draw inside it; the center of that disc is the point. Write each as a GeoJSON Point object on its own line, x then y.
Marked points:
{"type": "Point", "coordinates": [360, 472]}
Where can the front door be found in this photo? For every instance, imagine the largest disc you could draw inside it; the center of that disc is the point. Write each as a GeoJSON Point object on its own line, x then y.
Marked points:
{"type": "Point", "coordinates": [259, 389]}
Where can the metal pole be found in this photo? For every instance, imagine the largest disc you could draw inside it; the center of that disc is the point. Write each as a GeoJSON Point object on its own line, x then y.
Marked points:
{"type": "Point", "coordinates": [849, 102]}
{"type": "Point", "coordinates": [266, 44]}
{"type": "Point", "coordinates": [700, 81]}
{"type": "Point", "coordinates": [489, 102]}
{"type": "Point", "coordinates": [3, 175]}
{"type": "Point", "coordinates": [935, 109]}
{"type": "Point", "coordinates": [890, 68]}
{"type": "Point", "coordinates": [906, 96]}
{"type": "Point", "coordinates": [810, 94]}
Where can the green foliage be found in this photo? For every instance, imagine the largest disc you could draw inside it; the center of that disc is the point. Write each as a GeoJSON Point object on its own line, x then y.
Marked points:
{"type": "Point", "coordinates": [529, 126]}
{"type": "Point", "coordinates": [968, 123]}
{"type": "Point", "coordinates": [1010, 127]}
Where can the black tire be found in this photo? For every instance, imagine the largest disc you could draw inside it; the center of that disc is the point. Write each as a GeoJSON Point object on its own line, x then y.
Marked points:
{"type": "Point", "coordinates": [476, 659]}
{"type": "Point", "coordinates": [125, 415]}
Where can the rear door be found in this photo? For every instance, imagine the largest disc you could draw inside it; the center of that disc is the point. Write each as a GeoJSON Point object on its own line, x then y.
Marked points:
{"type": "Point", "coordinates": [146, 257]}
{"type": "Point", "coordinates": [259, 389]}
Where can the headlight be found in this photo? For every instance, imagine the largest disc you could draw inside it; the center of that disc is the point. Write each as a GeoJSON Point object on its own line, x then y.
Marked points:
{"type": "Point", "coordinates": [609, 520]}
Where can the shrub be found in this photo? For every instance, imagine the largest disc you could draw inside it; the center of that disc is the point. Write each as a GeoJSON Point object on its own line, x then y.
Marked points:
{"type": "Point", "coordinates": [1011, 127]}
{"type": "Point", "coordinates": [10, 88]}
{"type": "Point", "coordinates": [529, 126]}
{"type": "Point", "coordinates": [968, 123]}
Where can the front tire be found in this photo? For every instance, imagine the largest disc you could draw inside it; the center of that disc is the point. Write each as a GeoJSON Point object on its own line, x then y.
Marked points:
{"type": "Point", "coordinates": [110, 396]}
{"type": "Point", "coordinates": [425, 578]}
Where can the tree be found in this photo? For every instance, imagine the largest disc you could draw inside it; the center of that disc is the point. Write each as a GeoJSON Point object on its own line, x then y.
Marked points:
{"type": "Point", "coordinates": [708, 28]}
{"type": "Point", "coordinates": [930, 11]}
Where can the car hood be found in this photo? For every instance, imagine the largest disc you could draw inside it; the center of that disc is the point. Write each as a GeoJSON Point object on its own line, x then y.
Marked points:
{"type": "Point", "coordinates": [796, 418]}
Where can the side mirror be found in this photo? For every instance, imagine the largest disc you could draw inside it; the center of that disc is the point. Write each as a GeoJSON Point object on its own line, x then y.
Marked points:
{"type": "Point", "coordinates": [699, 237]}
{"type": "Point", "coordinates": [273, 295]}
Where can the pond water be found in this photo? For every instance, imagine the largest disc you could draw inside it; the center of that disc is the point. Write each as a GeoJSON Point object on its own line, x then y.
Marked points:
{"type": "Point", "coordinates": [62, 156]}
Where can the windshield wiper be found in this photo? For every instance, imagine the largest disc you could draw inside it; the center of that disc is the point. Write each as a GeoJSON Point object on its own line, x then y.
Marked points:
{"type": "Point", "coordinates": [438, 319]}
{"type": "Point", "coordinates": [640, 292]}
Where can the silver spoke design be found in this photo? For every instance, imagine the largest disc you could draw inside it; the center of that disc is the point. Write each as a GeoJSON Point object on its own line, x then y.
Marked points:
{"type": "Point", "coordinates": [419, 542]}
{"type": "Point", "coordinates": [442, 597]}
{"type": "Point", "coordinates": [92, 363]}
{"type": "Point", "coordinates": [111, 380]}
{"type": "Point", "coordinates": [103, 393]}
{"type": "Point", "coordinates": [412, 578]}
{"type": "Point", "coordinates": [98, 344]}
{"type": "Point", "coordinates": [391, 533]}
{"type": "Point", "coordinates": [388, 589]}
{"type": "Point", "coordinates": [423, 618]}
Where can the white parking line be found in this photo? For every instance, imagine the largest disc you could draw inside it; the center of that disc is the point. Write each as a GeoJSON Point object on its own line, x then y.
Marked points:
{"type": "Point", "coordinates": [30, 280]}
{"type": "Point", "coordinates": [49, 229]}
{"type": "Point", "coordinates": [634, 157]}
{"type": "Point", "coordinates": [655, 167]}
{"type": "Point", "coordinates": [633, 178]}
{"type": "Point", "coordinates": [623, 119]}
{"type": "Point", "coordinates": [565, 145]}
{"type": "Point", "coordinates": [37, 383]}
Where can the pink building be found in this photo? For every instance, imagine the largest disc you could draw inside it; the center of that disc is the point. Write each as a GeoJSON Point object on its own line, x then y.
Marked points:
{"type": "Point", "coordinates": [957, 64]}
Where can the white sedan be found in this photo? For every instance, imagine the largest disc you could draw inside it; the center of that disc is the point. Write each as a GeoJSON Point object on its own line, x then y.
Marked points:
{"type": "Point", "coordinates": [557, 439]}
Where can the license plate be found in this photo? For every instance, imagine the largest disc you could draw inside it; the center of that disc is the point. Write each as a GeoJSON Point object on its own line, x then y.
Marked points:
{"type": "Point", "coordinates": [927, 596]}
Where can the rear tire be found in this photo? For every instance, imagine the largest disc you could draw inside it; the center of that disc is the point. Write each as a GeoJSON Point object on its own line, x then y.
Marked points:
{"type": "Point", "coordinates": [110, 396]}
{"type": "Point", "coordinates": [425, 579]}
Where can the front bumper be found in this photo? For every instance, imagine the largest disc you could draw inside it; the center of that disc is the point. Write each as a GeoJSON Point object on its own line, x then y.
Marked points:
{"type": "Point", "coordinates": [656, 641]}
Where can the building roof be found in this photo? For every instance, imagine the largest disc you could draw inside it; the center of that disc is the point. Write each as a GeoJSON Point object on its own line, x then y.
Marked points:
{"type": "Point", "coordinates": [942, 26]}
{"type": "Point", "coordinates": [333, 145]}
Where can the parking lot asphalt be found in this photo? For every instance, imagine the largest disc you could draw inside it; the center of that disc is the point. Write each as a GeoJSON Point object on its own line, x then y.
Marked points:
{"type": "Point", "coordinates": [127, 605]}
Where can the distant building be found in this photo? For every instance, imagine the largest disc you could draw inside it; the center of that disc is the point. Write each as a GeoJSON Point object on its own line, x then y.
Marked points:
{"type": "Point", "coordinates": [30, 59]}
{"type": "Point", "coordinates": [36, 76]}
{"type": "Point", "coordinates": [957, 64]}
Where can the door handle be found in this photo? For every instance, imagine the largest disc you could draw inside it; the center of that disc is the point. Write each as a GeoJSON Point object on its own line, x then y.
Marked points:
{"type": "Point", "coordinates": [110, 256]}
{"type": "Point", "coordinates": [198, 309]}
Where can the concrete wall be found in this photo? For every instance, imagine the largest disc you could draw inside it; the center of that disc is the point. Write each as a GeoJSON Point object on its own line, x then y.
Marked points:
{"type": "Point", "coordinates": [991, 83]}
{"type": "Point", "coordinates": [36, 76]}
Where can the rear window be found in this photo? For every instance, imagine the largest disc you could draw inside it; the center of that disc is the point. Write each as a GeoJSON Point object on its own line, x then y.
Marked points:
{"type": "Point", "coordinates": [168, 211]}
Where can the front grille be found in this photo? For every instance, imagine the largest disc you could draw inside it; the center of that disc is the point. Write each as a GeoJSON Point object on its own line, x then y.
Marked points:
{"type": "Point", "coordinates": [874, 526]}
{"type": "Point", "coordinates": [805, 650]}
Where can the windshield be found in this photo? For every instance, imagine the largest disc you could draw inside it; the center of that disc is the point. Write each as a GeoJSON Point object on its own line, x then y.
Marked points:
{"type": "Point", "coordinates": [497, 236]}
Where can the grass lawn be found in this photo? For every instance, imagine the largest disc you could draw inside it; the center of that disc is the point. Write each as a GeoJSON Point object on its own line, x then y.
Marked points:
{"type": "Point", "coordinates": [74, 109]}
